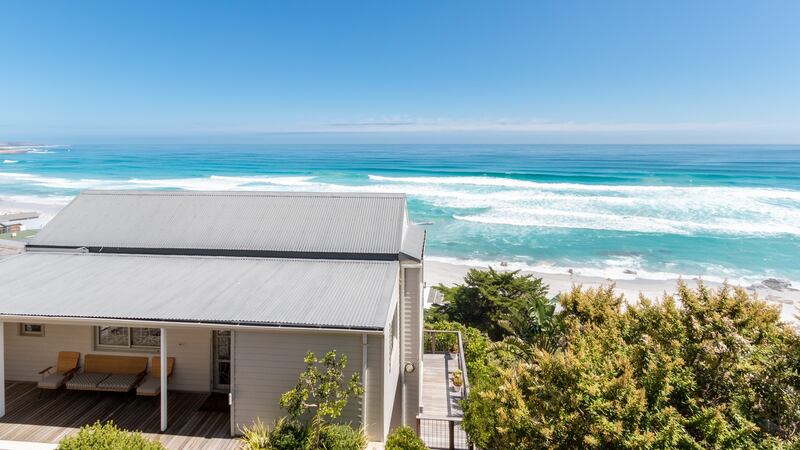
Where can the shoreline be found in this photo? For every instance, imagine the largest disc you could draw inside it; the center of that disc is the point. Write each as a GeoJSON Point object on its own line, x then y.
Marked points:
{"type": "Point", "coordinates": [449, 274]}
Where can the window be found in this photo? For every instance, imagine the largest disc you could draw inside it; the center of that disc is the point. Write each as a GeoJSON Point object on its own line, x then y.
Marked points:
{"type": "Point", "coordinates": [31, 329]}
{"type": "Point", "coordinates": [125, 337]}
{"type": "Point", "coordinates": [393, 339]}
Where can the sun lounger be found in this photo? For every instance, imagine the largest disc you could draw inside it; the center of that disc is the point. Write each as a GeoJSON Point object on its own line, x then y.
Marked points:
{"type": "Point", "coordinates": [109, 373]}
{"type": "Point", "coordinates": [55, 377]}
{"type": "Point", "coordinates": [152, 385]}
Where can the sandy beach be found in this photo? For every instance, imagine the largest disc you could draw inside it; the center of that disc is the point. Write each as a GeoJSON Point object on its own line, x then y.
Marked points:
{"type": "Point", "coordinates": [787, 298]}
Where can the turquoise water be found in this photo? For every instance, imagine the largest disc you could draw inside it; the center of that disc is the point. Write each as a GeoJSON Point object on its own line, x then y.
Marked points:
{"type": "Point", "coordinates": [614, 211]}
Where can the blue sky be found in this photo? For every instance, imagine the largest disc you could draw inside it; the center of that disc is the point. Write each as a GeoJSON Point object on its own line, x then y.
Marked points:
{"type": "Point", "coordinates": [426, 71]}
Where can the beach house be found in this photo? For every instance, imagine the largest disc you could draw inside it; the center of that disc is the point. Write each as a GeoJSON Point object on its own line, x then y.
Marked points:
{"type": "Point", "coordinates": [140, 292]}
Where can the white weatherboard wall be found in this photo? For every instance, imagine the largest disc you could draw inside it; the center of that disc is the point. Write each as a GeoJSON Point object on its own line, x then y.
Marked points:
{"type": "Point", "coordinates": [25, 356]}
{"type": "Point", "coordinates": [412, 340]}
{"type": "Point", "coordinates": [391, 371]}
{"type": "Point", "coordinates": [267, 364]}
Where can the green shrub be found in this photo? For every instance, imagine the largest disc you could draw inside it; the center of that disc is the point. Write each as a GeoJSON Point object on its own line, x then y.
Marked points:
{"type": "Point", "coordinates": [404, 438]}
{"type": "Point", "coordinates": [284, 435]}
{"type": "Point", "coordinates": [481, 362]}
{"type": "Point", "coordinates": [288, 434]}
{"type": "Point", "coordinates": [107, 436]}
{"type": "Point", "coordinates": [707, 368]}
{"type": "Point", "coordinates": [342, 437]}
{"type": "Point", "coordinates": [255, 437]}
{"type": "Point", "coordinates": [497, 303]}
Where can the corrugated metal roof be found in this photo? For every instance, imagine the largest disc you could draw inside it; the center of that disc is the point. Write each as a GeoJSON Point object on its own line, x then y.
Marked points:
{"type": "Point", "coordinates": [414, 242]}
{"type": "Point", "coordinates": [256, 291]}
{"type": "Point", "coordinates": [351, 223]}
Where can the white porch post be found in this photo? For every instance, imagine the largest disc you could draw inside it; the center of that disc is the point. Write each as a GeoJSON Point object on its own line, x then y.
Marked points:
{"type": "Point", "coordinates": [2, 371]}
{"type": "Point", "coordinates": [163, 368]}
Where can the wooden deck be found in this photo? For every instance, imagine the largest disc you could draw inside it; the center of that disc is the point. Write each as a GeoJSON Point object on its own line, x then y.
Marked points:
{"type": "Point", "coordinates": [439, 396]}
{"type": "Point", "coordinates": [60, 413]}
{"type": "Point", "coordinates": [440, 403]}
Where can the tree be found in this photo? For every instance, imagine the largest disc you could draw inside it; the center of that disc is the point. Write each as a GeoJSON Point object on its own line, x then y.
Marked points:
{"type": "Point", "coordinates": [321, 387]}
{"type": "Point", "coordinates": [497, 303]}
{"type": "Point", "coordinates": [479, 359]}
{"type": "Point", "coordinates": [706, 369]}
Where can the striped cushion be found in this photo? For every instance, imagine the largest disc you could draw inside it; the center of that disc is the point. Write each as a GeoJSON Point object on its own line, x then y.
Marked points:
{"type": "Point", "coordinates": [86, 380]}
{"type": "Point", "coordinates": [52, 381]}
{"type": "Point", "coordinates": [119, 381]}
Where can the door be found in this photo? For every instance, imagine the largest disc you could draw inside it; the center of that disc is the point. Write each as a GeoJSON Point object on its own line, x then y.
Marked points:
{"type": "Point", "coordinates": [222, 360]}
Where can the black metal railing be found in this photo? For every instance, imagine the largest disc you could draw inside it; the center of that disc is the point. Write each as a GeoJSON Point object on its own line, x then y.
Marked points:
{"type": "Point", "coordinates": [442, 433]}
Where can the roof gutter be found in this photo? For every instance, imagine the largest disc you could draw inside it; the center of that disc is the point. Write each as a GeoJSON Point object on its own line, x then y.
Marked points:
{"type": "Point", "coordinates": [184, 324]}
{"type": "Point", "coordinates": [237, 253]}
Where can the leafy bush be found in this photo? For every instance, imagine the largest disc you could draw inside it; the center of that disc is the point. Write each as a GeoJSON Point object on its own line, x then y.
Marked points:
{"type": "Point", "coordinates": [255, 437]}
{"type": "Point", "coordinates": [480, 361]}
{"type": "Point", "coordinates": [497, 303]}
{"type": "Point", "coordinates": [284, 435]}
{"type": "Point", "coordinates": [107, 436]}
{"type": "Point", "coordinates": [287, 435]}
{"type": "Point", "coordinates": [404, 438]}
{"type": "Point", "coordinates": [342, 437]}
{"type": "Point", "coordinates": [322, 389]}
{"type": "Point", "coordinates": [708, 369]}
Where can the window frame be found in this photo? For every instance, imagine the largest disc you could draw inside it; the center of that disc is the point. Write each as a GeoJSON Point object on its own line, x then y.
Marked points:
{"type": "Point", "coordinates": [130, 346]}
{"type": "Point", "coordinates": [23, 332]}
{"type": "Point", "coordinates": [394, 336]}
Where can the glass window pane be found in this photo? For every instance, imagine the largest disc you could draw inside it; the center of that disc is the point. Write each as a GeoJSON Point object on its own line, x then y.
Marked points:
{"type": "Point", "coordinates": [32, 328]}
{"type": "Point", "coordinates": [112, 336]}
{"type": "Point", "coordinates": [224, 373]}
{"type": "Point", "coordinates": [146, 337]}
{"type": "Point", "coordinates": [224, 345]}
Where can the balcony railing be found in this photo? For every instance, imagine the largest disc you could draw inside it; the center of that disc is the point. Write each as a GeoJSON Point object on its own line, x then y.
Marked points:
{"type": "Point", "coordinates": [439, 423]}
{"type": "Point", "coordinates": [447, 341]}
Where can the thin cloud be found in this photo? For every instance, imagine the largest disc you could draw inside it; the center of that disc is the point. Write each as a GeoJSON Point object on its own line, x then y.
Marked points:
{"type": "Point", "coordinates": [443, 125]}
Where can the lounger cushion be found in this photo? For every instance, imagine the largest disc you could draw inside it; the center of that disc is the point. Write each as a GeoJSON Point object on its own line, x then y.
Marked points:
{"type": "Point", "coordinates": [86, 380]}
{"type": "Point", "coordinates": [119, 381]}
{"type": "Point", "coordinates": [52, 381]}
{"type": "Point", "coordinates": [151, 386]}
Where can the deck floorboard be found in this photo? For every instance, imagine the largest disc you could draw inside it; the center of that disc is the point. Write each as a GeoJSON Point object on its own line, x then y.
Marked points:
{"type": "Point", "coordinates": [55, 414]}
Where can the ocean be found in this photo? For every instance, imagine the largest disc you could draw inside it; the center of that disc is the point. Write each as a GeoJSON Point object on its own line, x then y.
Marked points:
{"type": "Point", "coordinates": [615, 211]}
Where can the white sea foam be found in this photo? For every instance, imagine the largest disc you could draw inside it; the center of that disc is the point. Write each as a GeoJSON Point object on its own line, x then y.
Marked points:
{"type": "Point", "coordinates": [213, 182]}
{"type": "Point", "coordinates": [504, 201]}
{"type": "Point", "coordinates": [619, 268]}
{"type": "Point", "coordinates": [224, 183]}
{"type": "Point", "coordinates": [9, 161]}
{"type": "Point", "coordinates": [645, 209]}
{"type": "Point", "coordinates": [50, 182]}
{"type": "Point", "coordinates": [514, 183]}
{"type": "Point", "coordinates": [49, 200]}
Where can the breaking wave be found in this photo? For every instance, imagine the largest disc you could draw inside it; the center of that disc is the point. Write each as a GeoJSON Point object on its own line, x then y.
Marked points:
{"type": "Point", "coordinates": [644, 209]}
{"type": "Point", "coordinates": [680, 210]}
{"type": "Point", "coordinates": [213, 182]}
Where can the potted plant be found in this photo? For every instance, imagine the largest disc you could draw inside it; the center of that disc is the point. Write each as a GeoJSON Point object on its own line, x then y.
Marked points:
{"type": "Point", "coordinates": [458, 378]}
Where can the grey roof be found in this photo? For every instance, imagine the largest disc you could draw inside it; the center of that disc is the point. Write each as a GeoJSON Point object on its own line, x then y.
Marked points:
{"type": "Point", "coordinates": [413, 242]}
{"type": "Point", "coordinates": [220, 290]}
{"type": "Point", "coordinates": [297, 223]}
